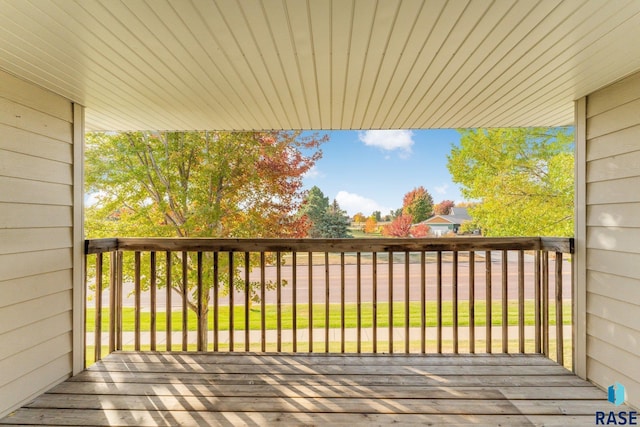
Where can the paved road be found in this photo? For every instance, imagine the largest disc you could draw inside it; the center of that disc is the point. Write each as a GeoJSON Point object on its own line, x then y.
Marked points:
{"type": "Point", "coordinates": [318, 282]}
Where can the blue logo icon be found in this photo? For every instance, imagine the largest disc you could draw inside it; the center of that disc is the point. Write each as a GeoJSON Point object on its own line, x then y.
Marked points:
{"type": "Point", "coordinates": [616, 394]}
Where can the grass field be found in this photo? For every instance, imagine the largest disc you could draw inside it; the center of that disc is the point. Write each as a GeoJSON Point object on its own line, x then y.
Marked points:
{"type": "Point", "coordinates": [335, 315]}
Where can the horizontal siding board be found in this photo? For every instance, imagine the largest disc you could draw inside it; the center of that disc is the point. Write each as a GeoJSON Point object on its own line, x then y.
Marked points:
{"type": "Point", "coordinates": [605, 374]}
{"type": "Point", "coordinates": [18, 215]}
{"type": "Point", "coordinates": [42, 352]}
{"type": "Point", "coordinates": [22, 339]}
{"type": "Point", "coordinates": [18, 190]}
{"type": "Point", "coordinates": [35, 382]}
{"type": "Point", "coordinates": [18, 315]}
{"type": "Point", "coordinates": [613, 311]}
{"type": "Point", "coordinates": [617, 287]}
{"type": "Point", "coordinates": [614, 191]}
{"type": "Point", "coordinates": [614, 215]}
{"type": "Point", "coordinates": [25, 142]}
{"type": "Point", "coordinates": [608, 352]}
{"type": "Point", "coordinates": [614, 95]}
{"type": "Point", "coordinates": [621, 117]}
{"type": "Point", "coordinates": [25, 93]}
{"type": "Point", "coordinates": [615, 167]}
{"type": "Point", "coordinates": [17, 165]}
{"type": "Point", "coordinates": [616, 263]}
{"type": "Point", "coordinates": [16, 240]}
{"type": "Point", "coordinates": [613, 238]}
{"type": "Point", "coordinates": [623, 337]}
{"type": "Point", "coordinates": [613, 144]}
{"type": "Point", "coordinates": [14, 266]}
{"type": "Point", "coordinates": [23, 117]}
{"type": "Point", "coordinates": [23, 289]}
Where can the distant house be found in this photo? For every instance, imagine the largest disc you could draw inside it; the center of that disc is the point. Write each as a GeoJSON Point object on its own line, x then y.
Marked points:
{"type": "Point", "coordinates": [440, 225]}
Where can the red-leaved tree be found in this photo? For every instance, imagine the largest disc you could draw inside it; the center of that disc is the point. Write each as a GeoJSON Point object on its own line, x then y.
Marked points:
{"type": "Point", "coordinates": [399, 227]}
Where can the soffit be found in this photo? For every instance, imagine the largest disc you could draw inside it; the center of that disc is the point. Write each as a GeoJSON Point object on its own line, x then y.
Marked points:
{"type": "Point", "coordinates": [320, 64]}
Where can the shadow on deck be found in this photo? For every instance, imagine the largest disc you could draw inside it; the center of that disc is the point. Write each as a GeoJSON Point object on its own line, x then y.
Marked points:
{"type": "Point", "coordinates": [179, 388]}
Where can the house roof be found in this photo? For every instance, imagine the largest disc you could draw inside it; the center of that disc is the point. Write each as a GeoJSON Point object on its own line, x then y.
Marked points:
{"type": "Point", "coordinates": [458, 216]}
{"type": "Point", "coordinates": [348, 64]}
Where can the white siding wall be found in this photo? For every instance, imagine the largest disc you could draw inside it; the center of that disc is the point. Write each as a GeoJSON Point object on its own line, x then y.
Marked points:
{"type": "Point", "coordinates": [36, 240]}
{"type": "Point", "coordinates": [613, 236]}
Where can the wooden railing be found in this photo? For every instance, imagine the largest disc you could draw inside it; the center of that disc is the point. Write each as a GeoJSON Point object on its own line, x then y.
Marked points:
{"type": "Point", "coordinates": [464, 294]}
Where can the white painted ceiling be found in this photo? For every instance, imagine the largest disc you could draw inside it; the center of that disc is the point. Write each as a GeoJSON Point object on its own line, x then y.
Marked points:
{"type": "Point", "coordinates": [320, 64]}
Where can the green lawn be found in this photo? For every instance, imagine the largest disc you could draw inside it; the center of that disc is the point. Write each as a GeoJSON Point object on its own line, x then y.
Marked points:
{"type": "Point", "coordinates": [334, 316]}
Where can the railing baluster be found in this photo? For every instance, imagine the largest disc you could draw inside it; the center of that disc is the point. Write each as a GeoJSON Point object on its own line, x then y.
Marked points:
{"type": "Point", "coordinates": [216, 302]}
{"type": "Point", "coordinates": [537, 283]}
{"type": "Point", "coordinates": [136, 285]}
{"type": "Point", "coordinates": [406, 302]}
{"type": "Point", "coordinates": [113, 265]}
{"type": "Point", "coordinates": [342, 308]}
{"type": "Point", "coordinates": [489, 301]}
{"type": "Point", "coordinates": [505, 302]}
{"type": "Point", "coordinates": [279, 302]}
{"type": "Point", "coordinates": [247, 267]}
{"type": "Point", "coordinates": [559, 308]}
{"type": "Point", "coordinates": [201, 320]}
{"type": "Point", "coordinates": [152, 287]}
{"type": "Point", "coordinates": [454, 298]}
{"type": "Point", "coordinates": [232, 292]}
{"type": "Point", "coordinates": [374, 272]}
{"type": "Point", "coordinates": [521, 337]}
{"type": "Point", "coordinates": [326, 302]}
{"type": "Point", "coordinates": [310, 297]}
{"type": "Point", "coordinates": [185, 290]}
{"type": "Point", "coordinates": [545, 302]}
{"type": "Point", "coordinates": [168, 301]}
{"type": "Point", "coordinates": [472, 302]}
{"type": "Point", "coordinates": [263, 318]}
{"type": "Point", "coordinates": [119, 299]}
{"type": "Point", "coordinates": [294, 297]}
{"type": "Point", "coordinates": [390, 296]}
{"type": "Point", "coordinates": [359, 301]}
{"type": "Point", "coordinates": [423, 302]}
{"type": "Point", "coordinates": [98, 314]}
{"type": "Point", "coordinates": [439, 302]}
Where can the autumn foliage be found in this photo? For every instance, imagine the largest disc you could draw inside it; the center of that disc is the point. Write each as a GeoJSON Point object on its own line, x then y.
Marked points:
{"type": "Point", "coordinates": [399, 227]}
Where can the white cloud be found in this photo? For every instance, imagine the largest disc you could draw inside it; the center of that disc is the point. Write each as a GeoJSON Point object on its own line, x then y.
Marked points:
{"type": "Point", "coordinates": [354, 203]}
{"type": "Point", "coordinates": [312, 173]}
{"type": "Point", "coordinates": [442, 189]}
{"type": "Point", "coordinates": [388, 139]}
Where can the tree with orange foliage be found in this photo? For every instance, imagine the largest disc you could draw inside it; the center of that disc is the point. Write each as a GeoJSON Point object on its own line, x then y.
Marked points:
{"type": "Point", "coordinates": [399, 227]}
{"type": "Point", "coordinates": [420, 230]}
{"type": "Point", "coordinates": [370, 225]}
{"type": "Point", "coordinates": [418, 203]}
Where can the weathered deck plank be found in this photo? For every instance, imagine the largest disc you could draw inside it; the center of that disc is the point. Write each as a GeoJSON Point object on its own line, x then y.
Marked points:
{"type": "Point", "coordinates": [288, 389]}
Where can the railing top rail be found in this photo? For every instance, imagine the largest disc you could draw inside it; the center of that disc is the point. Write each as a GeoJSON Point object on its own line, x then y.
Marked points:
{"type": "Point", "coordinates": [464, 243]}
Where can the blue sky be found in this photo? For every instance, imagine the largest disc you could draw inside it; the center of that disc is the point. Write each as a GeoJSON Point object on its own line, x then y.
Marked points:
{"type": "Point", "coordinates": [372, 170]}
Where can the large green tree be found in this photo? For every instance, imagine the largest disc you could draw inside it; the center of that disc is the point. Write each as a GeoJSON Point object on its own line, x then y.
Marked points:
{"type": "Point", "coordinates": [523, 178]}
{"type": "Point", "coordinates": [417, 203]}
{"type": "Point", "coordinates": [197, 184]}
{"type": "Point", "coordinates": [324, 220]}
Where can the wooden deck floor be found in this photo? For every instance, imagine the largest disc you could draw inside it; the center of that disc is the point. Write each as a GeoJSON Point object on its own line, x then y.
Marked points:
{"type": "Point", "coordinates": [320, 389]}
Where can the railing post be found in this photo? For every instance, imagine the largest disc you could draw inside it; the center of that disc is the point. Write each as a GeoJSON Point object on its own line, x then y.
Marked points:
{"type": "Point", "coordinates": [113, 264]}
{"type": "Point", "coordinates": [559, 309]}
{"type": "Point", "coordinates": [98, 314]}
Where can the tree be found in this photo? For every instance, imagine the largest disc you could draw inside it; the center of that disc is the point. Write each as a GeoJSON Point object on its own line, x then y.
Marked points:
{"type": "Point", "coordinates": [418, 203]}
{"type": "Point", "coordinates": [377, 215]}
{"type": "Point", "coordinates": [197, 184]}
{"type": "Point", "coordinates": [371, 225]}
{"type": "Point", "coordinates": [523, 178]}
{"type": "Point", "coordinates": [324, 220]}
{"type": "Point", "coordinates": [420, 230]}
{"type": "Point", "coordinates": [399, 227]}
{"type": "Point", "coordinates": [359, 218]}
{"type": "Point", "coordinates": [443, 208]}
{"type": "Point", "coordinates": [334, 224]}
